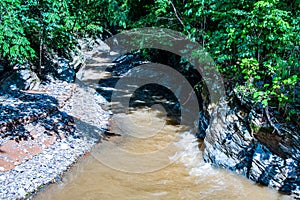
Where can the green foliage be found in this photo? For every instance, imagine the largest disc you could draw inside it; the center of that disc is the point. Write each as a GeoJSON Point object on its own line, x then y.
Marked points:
{"type": "Point", "coordinates": [49, 23]}
{"type": "Point", "coordinates": [29, 28]}
{"type": "Point", "coordinates": [255, 44]}
{"type": "Point", "coordinates": [14, 45]}
{"type": "Point", "coordinates": [96, 16]}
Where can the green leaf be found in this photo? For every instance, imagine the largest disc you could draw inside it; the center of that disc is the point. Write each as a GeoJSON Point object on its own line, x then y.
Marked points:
{"type": "Point", "coordinates": [264, 102]}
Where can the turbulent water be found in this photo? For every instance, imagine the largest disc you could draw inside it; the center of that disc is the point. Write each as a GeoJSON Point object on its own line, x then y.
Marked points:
{"type": "Point", "coordinates": [151, 160]}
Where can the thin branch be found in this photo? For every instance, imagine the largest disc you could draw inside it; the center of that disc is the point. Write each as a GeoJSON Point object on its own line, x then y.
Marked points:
{"type": "Point", "coordinates": [176, 14]}
{"type": "Point", "coordinates": [166, 18]}
{"type": "Point", "coordinates": [270, 121]}
{"type": "Point", "coordinates": [40, 54]}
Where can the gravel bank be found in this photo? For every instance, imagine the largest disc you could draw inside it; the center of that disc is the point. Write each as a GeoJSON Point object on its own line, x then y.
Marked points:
{"type": "Point", "coordinates": [77, 120]}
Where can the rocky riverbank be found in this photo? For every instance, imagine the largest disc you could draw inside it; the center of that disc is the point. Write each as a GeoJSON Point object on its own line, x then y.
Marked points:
{"type": "Point", "coordinates": [44, 130]}
{"type": "Point", "coordinates": [241, 140]}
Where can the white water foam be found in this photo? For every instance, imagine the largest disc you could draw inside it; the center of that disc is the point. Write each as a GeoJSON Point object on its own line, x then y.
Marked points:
{"type": "Point", "coordinates": [191, 156]}
{"type": "Point", "coordinates": [216, 180]}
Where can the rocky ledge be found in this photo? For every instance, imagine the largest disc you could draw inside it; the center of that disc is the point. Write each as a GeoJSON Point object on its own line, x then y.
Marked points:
{"type": "Point", "coordinates": [238, 140]}
{"type": "Point", "coordinates": [44, 130]}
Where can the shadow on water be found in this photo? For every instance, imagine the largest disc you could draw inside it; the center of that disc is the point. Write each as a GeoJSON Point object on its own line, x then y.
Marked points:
{"type": "Point", "coordinates": [121, 66]}
{"type": "Point", "coordinates": [152, 94]}
{"type": "Point", "coordinates": [146, 96]}
{"type": "Point", "coordinates": [156, 94]}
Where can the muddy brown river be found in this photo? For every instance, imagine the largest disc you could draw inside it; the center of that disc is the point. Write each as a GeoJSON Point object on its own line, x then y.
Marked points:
{"type": "Point", "coordinates": [151, 160]}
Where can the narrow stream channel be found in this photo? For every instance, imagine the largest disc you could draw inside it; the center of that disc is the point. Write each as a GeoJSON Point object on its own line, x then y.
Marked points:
{"type": "Point", "coordinates": [182, 176]}
{"type": "Point", "coordinates": [148, 159]}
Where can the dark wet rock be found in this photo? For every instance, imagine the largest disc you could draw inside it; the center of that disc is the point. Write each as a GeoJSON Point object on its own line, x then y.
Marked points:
{"type": "Point", "coordinates": [22, 79]}
{"type": "Point", "coordinates": [122, 67]}
{"type": "Point", "coordinates": [238, 139]}
{"type": "Point", "coordinates": [62, 70]}
{"type": "Point", "coordinates": [270, 169]}
{"type": "Point", "coordinates": [65, 72]}
{"type": "Point", "coordinates": [203, 124]}
{"type": "Point", "coordinates": [126, 62]}
{"type": "Point", "coordinates": [228, 142]}
{"type": "Point", "coordinates": [144, 93]}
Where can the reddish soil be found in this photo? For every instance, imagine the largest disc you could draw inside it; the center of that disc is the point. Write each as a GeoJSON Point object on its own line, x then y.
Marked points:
{"type": "Point", "coordinates": [13, 153]}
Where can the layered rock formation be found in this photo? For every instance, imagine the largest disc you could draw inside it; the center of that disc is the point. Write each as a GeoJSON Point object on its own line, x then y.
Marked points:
{"type": "Point", "coordinates": [238, 140]}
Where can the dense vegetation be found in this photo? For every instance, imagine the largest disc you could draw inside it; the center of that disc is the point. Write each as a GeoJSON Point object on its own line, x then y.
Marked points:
{"type": "Point", "coordinates": [255, 44]}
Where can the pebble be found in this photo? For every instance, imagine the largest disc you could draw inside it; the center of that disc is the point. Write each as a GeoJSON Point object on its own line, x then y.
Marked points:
{"type": "Point", "coordinates": [19, 169]}
{"type": "Point", "coordinates": [64, 146]}
{"type": "Point", "coordinates": [48, 156]}
{"type": "Point", "coordinates": [68, 156]}
{"type": "Point", "coordinates": [16, 163]}
{"type": "Point", "coordinates": [22, 192]}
